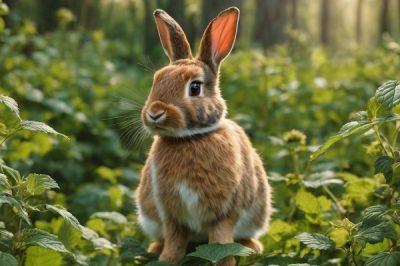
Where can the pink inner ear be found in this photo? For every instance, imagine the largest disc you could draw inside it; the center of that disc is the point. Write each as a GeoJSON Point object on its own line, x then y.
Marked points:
{"type": "Point", "coordinates": [164, 35]}
{"type": "Point", "coordinates": [223, 32]}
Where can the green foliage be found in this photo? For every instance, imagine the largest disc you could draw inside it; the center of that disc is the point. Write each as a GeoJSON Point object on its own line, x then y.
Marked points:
{"type": "Point", "coordinates": [337, 203]}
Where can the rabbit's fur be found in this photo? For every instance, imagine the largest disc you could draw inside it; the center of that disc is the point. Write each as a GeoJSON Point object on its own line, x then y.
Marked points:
{"type": "Point", "coordinates": [202, 180]}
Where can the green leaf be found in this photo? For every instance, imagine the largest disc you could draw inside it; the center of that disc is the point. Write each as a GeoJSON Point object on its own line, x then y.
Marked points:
{"type": "Point", "coordinates": [7, 259]}
{"type": "Point", "coordinates": [40, 238]}
{"type": "Point", "coordinates": [39, 126]}
{"type": "Point", "coordinates": [384, 259]}
{"type": "Point", "coordinates": [36, 184]}
{"type": "Point", "coordinates": [114, 217]}
{"type": "Point", "coordinates": [69, 235]}
{"type": "Point", "coordinates": [68, 217]}
{"type": "Point", "coordinates": [389, 94]}
{"type": "Point", "coordinates": [352, 128]}
{"type": "Point", "coordinates": [10, 172]}
{"type": "Point", "coordinates": [375, 108]}
{"type": "Point", "coordinates": [373, 212]}
{"type": "Point", "coordinates": [102, 243]}
{"type": "Point", "coordinates": [11, 104]}
{"type": "Point", "coordinates": [216, 252]}
{"type": "Point", "coordinates": [374, 230]}
{"type": "Point", "coordinates": [130, 249]}
{"type": "Point", "coordinates": [384, 165]}
{"type": "Point", "coordinates": [324, 178]}
{"type": "Point", "coordinates": [4, 185]}
{"type": "Point", "coordinates": [38, 256]}
{"type": "Point", "coordinates": [316, 241]}
{"type": "Point", "coordinates": [310, 204]}
{"type": "Point", "coordinates": [17, 207]}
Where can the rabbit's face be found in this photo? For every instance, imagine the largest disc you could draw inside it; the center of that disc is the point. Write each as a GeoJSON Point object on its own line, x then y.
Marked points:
{"type": "Point", "coordinates": [184, 100]}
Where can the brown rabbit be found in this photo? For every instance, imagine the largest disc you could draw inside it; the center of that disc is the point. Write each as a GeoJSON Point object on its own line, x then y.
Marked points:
{"type": "Point", "coordinates": [202, 180]}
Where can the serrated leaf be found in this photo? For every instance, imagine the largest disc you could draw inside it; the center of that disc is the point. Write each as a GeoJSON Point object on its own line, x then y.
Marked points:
{"type": "Point", "coordinates": [11, 173]}
{"type": "Point", "coordinates": [372, 212]}
{"type": "Point", "coordinates": [17, 207]}
{"type": "Point", "coordinates": [36, 256]}
{"type": "Point", "coordinates": [40, 238]}
{"type": "Point", "coordinates": [37, 184]}
{"type": "Point", "coordinates": [11, 104]}
{"type": "Point", "coordinates": [7, 259]}
{"type": "Point", "coordinates": [216, 252]}
{"type": "Point", "coordinates": [385, 259]}
{"type": "Point", "coordinates": [316, 241]}
{"type": "Point", "coordinates": [39, 126]}
{"type": "Point", "coordinates": [350, 129]}
{"type": "Point", "coordinates": [68, 217]}
{"type": "Point", "coordinates": [389, 93]}
{"type": "Point", "coordinates": [102, 243]}
{"type": "Point", "coordinates": [69, 235]}
{"type": "Point", "coordinates": [374, 230]}
{"type": "Point", "coordinates": [4, 185]}
{"type": "Point", "coordinates": [130, 249]}
{"type": "Point", "coordinates": [384, 165]}
{"type": "Point", "coordinates": [114, 217]}
{"type": "Point", "coordinates": [324, 178]}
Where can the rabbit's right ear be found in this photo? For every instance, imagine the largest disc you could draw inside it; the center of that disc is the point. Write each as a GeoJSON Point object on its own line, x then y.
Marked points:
{"type": "Point", "coordinates": [172, 37]}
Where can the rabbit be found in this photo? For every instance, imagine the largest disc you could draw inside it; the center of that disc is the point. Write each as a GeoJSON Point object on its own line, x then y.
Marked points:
{"type": "Point", "coordinates": [202, 180]}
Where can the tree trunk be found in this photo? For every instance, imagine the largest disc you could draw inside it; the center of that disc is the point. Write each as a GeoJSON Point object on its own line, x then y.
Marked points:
{"type": "Point", "coordinates": [294, 21]}
{"type": "Point", "coordinates": [269, 26]}
{"type": "Point", "coordinates": [325, 22]}
{"type": "Point", "coordinates": [384, 20]}
{"type": "Point", "coordinates": [359, 21]}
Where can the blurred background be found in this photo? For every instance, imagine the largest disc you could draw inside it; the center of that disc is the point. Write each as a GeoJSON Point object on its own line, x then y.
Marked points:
{"type": "Point", "coordinates": [85, 68]}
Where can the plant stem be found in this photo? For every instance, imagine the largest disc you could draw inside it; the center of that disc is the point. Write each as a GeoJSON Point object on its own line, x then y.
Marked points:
{"type": "Point", "coordinates": [381, 141]}
{"type": "Point", "coordinates": [333, 197]}
{"type": "Point", "coordinates": [295, 159]}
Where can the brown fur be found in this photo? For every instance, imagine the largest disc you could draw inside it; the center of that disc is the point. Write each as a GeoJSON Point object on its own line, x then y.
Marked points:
{"type": "Point", "coordinates": [202, 180]}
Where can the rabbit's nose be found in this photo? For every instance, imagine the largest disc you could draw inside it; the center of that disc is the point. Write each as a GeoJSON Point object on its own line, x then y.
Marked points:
{"type": "Point", "coordinates": [155, 117]}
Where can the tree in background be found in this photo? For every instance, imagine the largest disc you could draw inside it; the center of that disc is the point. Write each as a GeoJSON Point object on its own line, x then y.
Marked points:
{"type": "Point", "coordinates": [325, 22]}
{"type": "Point", "coordinates": [384, 19]}
{"type": "Point", "coordinates": [359, 21]}
{"type": "Point", "coordinates": [270, 22]}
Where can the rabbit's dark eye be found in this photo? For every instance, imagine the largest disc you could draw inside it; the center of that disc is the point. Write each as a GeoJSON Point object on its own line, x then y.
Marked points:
{"type": "Point", "coordinates": [195, 88]}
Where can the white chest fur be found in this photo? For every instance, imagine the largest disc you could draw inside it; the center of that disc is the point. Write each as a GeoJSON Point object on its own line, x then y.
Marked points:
{"type": "Point", "coordinates": [193, 216]}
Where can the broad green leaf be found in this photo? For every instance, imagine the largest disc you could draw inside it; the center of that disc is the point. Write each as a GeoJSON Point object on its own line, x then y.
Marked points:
{"type": "Point", "coordinates": [389, 93]}
{"type": "Point", "coordinates": [373, 212]}
{"type": "Point", "coordinates": [40, 238]}
{"type": "Point", "coordinates": [68, 217]}
{"type": "Point", "coordinates": [384, 165]}
{"type": "Point", "coordinates": [352, 128]}
{"type": "Point", "coordinates": [316, 241]}
{"type": "Point", "coordinates": [36, 184]}
{"type": "Point", "coordinates": [130, 249]}
{"type": "Point", "coordinates": [16, 206]}
{"type": "Point", "coordinates": [38, 256]}
{"type": "Point", "coordinates": [10, 103]}
{"type": "Point", "coordinates": [216, 252]}
{"type": "Point", "coordinates": [69, 235]}
{"type": "Point", "coordinates": [4, 185]}
{"type": "Point", "coordinates": [11, 173]}
{"type": "Point", "coordinates": [385, 259]}
{"type": "Point", "coordinates": [7, 259]}
{"type": "Point", "coordinates": [102, 243]}
{"type": "Point", "coordinates": [375, 109]}
{"type": "Point", "coordinates": [114, 217]}
{"type": "Point", "coordinates": [156, 263]}
{"type": "Point", "coordinates": [39, 126]}
{"type": "Point", "coordinates": [310, 204]}
{"type": "Point", "coordinates": [324, 178]}
{"type": "Point", "coordinates": [374, 230]}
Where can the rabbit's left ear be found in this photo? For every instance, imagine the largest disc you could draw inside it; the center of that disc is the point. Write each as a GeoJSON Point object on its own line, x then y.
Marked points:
{"type": "Point", "coordinates": [172, 37]}
{"type": "Point", "coordinates": [219, 37]}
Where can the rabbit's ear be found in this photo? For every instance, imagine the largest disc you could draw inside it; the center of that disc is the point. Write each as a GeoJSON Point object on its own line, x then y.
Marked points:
{"type": "Point", "coordinates": [219, 37]}
{"type": "Point", "coordinates": [172, 37]}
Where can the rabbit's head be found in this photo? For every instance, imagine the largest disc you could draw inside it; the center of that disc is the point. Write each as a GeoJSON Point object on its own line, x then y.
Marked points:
{"type": "Point", "coordinates": [185, 98]}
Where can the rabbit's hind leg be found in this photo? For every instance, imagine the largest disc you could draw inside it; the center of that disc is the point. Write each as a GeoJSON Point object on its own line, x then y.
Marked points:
{"type": "Point", "coordinates": [253, 244]}
{"type": "Point", "coordinates": [156, 247]}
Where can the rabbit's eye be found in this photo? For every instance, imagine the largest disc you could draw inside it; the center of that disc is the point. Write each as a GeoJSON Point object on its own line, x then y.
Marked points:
{"type": "Point", "coordinates": [195, 88]}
